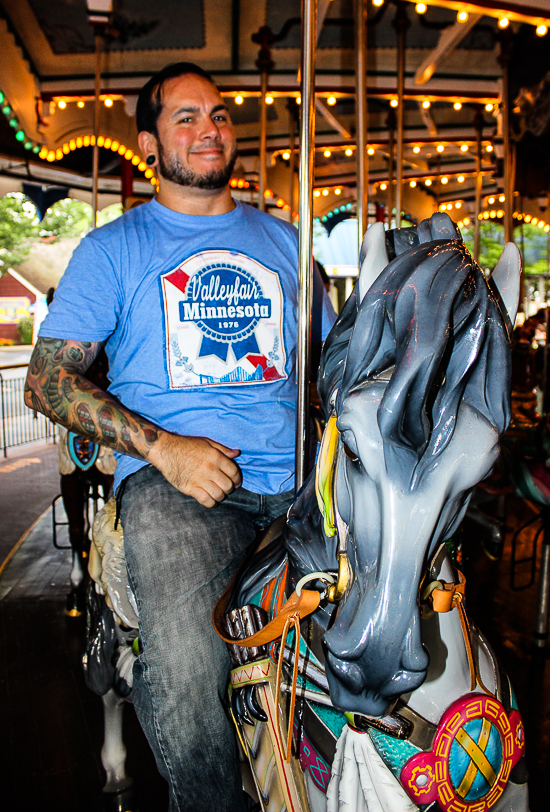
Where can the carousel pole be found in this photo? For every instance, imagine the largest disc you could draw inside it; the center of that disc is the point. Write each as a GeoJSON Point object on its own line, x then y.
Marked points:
{"type": "Point", "coordinates": [292, 149]}
{"type": "Point", "coordinates": [400, 23]}
{"type": "Point", "coordinates": [264, 63]}
{"type": "Point", "coordinates": [95, 154]}
{"type": "Point", "coordinates": [478, 125]}
{"type": "Point", "coordinates": [305, 229]}
{"type": "Point", "coordinates": [504, 59]}
{"type": "Point", "coordinates": [390, 122]}
{"type": "Point", "coordinates": [361, 126]}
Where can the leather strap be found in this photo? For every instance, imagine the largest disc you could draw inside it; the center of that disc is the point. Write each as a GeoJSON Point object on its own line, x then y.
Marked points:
{"type": "Point", "coordinates": [446, 596]}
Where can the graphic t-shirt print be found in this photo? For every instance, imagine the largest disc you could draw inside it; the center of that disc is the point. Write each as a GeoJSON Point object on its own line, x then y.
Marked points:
{"type": "Point", "coordinates": [223, 321]}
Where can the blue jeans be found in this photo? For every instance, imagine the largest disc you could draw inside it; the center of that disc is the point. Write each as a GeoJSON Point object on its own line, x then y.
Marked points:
{"type": "Point", "coordinates": [180, 558]}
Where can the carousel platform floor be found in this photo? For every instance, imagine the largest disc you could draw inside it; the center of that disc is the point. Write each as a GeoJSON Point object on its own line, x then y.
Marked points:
{"type": "Point", "coordinates": [52, 725]}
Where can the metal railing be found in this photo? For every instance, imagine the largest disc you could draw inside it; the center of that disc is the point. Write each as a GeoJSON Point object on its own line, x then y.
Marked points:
{"type": "Point", "coordinates": [19, 424]}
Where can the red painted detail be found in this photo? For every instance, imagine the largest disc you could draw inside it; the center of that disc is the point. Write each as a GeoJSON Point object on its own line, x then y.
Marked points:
{"type": "Point", "coordinates": [179, 279]}
{"type": "Point", "coordinates": [257, 359]}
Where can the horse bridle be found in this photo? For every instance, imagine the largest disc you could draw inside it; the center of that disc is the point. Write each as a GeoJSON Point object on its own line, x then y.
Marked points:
{"type": "Point", "coordinates": [325, 477]}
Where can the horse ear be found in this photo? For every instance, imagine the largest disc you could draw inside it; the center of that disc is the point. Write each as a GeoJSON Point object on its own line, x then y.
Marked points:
{"type": "Point", "coordinates": [373, 258]}
{"type": "Point", "coordinates": [506, 279]}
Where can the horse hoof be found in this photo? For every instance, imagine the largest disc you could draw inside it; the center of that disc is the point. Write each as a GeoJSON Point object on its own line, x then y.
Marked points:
{"type": "Point", "coordinates": [75, 603]}
{"type": "Point", "coordinates": [124, 801]}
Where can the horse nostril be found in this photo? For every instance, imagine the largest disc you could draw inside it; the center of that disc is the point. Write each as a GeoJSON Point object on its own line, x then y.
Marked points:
{"type": "Point", "coordinates": [346, 672]}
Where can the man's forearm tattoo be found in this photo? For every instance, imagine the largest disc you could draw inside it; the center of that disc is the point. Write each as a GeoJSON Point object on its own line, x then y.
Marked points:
{"type": "Point", "coordinates": [56, 387]}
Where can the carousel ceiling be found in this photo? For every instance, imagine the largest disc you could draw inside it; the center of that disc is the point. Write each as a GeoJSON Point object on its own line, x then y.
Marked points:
{"type": "Point", "coordinates": [452, 79]}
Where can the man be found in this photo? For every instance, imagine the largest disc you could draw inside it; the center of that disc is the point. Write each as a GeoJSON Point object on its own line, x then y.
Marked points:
{"type": "Point", "coordinates": [194, 298]}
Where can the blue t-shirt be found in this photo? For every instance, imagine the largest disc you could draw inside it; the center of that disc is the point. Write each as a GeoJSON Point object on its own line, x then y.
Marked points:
{"type": "Point", "coordinates": [199, 319]}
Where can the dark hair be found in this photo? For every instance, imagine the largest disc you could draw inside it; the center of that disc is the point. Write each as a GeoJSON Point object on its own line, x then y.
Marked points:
{"type": "Point", "coordinates": [149, 103]}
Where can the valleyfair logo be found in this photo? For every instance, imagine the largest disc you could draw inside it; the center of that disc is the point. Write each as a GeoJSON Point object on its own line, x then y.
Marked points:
{"type": "Point", "coordinates": [226, 303]}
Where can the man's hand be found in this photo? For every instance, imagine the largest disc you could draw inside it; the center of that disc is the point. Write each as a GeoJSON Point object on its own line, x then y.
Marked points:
{"type": "Point", "coordinates": [196, 466]}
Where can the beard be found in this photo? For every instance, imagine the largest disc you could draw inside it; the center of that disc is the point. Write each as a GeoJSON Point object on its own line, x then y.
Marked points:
{"type": "Point", "coordinates": [171, 168]}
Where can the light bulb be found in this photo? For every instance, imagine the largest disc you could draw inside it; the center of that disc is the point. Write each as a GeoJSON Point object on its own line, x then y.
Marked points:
{"type": "Point", "coordinates": [108, 102]}
{"type": "Point", "coordinates": [239, 99]}
{"type": "Point", "coordinates": [457, 106]}
{"type": "Point", "coordinates": [426, 104]}
{"type": "Point", "coordinates": [416, 150]}
{"type": "Point", "coordinates": [462, 16]}
{"type": "Point", "coordinates": [420, 8]}
{"type": "Point", "coordinates": [504, 22]}
{"type": "Point", "coordinates": [331, 100]}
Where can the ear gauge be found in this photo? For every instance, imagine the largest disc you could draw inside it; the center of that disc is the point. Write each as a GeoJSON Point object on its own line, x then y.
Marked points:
{"type": "Point", "coordinates": [150, 160]}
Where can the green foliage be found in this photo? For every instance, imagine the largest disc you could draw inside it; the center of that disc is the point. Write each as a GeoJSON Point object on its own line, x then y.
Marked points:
{"type": "Point", "coordinates": [491, 243]}
{"type": "Point", "coordinates": [18, 228]}
{"type": "Point", "coordinates": [532, 242]}
{"type": "Point", "coordinates": [66, 218]}
{"type": "Point", "coordinates": [24, 328]}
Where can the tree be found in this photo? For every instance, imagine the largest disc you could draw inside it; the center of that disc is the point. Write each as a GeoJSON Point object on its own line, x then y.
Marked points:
{"type": "Point", "coordinates": [18, 229]}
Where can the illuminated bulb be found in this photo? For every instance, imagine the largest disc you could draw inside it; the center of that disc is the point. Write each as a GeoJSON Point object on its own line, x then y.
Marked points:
{"type": "Point", "coordinates": [527, 218]}
{"type": "Point", "coordinates": [66, 149]}
{"type": "Point", "coordinates": [327, 153]}
{"type": "Point", "coordinates": [121, 150]}
{"type": "Point", "coordinates": [129, 154]}
{"type": "Point", "coordinates": [239, 99]}
{"type": "Point", "coordinates": [440, 147]}
{"type": "Point", "coordinates": [420, 8]}
{"type": "Point", "coordinates": [240, 183]}
{"type": "Point", "coordinates": [298, 99]}
{"type": "Point", "coordinates": [269, 99]}
{"type": "Point", "coordinates": [325, 192]}
{"type": "Point", "coordinates": [504, 22]}
{"type": "Point", "coordinates": [370, 151]}
{"type": "Point", "coordinates": [492, 214]}
{"type": "Point", "coordinates": [502, 198]}
{"type": "Point", "coordinates": [541, 30]}
{"type": "Point", "coordinates": [92, 140]}
{"type": "Point", "coordinates": [337, 191]}
{"type": "Point", "coordinates": [58, 154]}
{"type": "Point", "coordinates": [460, 179]}
{"type": "Point", "coordinates": [50, 156]}
{"type": "Point", "coordinates": [416, 150]}
{"type": "Point", "coordinates": [427, 182]}
{"type": "Point", "coordinates": [148, 173]}
{"type": "Point", "coordinates": [464, 148]}
{"type": "Point", "coordinates": [457, 106]}
{"type": "Point", "coordinates": [43, 153]}
{"type": "Point", "coordinates": [491, 201]}
{"type": "Point", "coordinates": [286, 207]}
{"type": "Point", "coordinates": [86, 141]}
{"type": "Point", "coordinates": [460, 224]}
{"type": "Point", "coordinates": [286, 156]}
{"type": "Point", "coordinates": [100, 141]}
{"type": "Point", "coordinates": [394, 103]}
{"type": "Point", "coordinates": [547, 228]}
{"type": "Point", "coordinates": [443, 207]}
{"type": "Point", "coordinates": [114, 145]}
{"type": "Point", "coordinates": [377, 2]}
{"type": "Point", "coordinates": [61, 104]}
{"type": "Point", "coordinates": [485, 215]}
{"type": "Point", "coordinates": [489, 107]}
{"type": "Point", "coordinates": [331, 100]}
{"type": "Point", "coordinates": [79, 142]}
{"type": "Point", "coordinates": [489, 147]}
{"type": "Point", "coordinates": [107, 143]}
{"type": "Point", "coordinates": [80, 104]}
{"type": "Point", "coordinates": [412, 184]}
{"type": "Point", "coordinates": [426, 104]}
{"type": "Point", "coordinates": [142, 166]}
{"type": "Point", "coordinates": [136, 160]}
{"type": "Point", "coordinates": [280, 202]}
{"type": "Point", "coordinates": [466, 221]}
{"type": "Point", "coordinates": [108, 102]}
{"type": "Point", "coordinates": [535, 220]}
{"type": "Point", "coordinates": [444, 181]}
{"type": "Point", "coordinates": [383, 186]}
{"type": "Point", "coordinates": [458, 205]}
{"type": "Point", "coordinates": [316, 193]}
{"type": "Point", "coordinates": [268, 193]}
{"type": "Point", "coordinates": [349, 152]}
{"type": "Point", "coordinates": [500, 213]}
{"type": "Point", "coordinates": [462, 16]}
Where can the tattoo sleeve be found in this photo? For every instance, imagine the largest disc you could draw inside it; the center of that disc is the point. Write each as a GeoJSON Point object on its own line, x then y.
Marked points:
{"type": "Point", "coordinates": [56, 386]}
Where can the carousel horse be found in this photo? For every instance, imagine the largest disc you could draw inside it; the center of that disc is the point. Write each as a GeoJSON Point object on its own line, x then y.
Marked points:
{"type": "Point", "coordinates": [358, 682]}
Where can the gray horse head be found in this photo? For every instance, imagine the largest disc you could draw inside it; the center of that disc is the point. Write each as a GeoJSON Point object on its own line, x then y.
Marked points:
{"type": "Point", "coordinates": [416, 372]}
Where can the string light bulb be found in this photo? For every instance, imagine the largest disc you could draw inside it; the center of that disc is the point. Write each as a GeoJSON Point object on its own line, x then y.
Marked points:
{"type": "Point", "coordinates": [541, 30]}
{"type": "Point", "coordinates": [428, 182]}
{"type": "Point", "coordinates": [383, 186]}
{"type": "Point", "coordinates": [457, 105]}
{"type": "Point", "coordinates": [327, 153]}
{"type": "Point", "coordinates": [316, 193]}
{"type": "Point", "coordinates": [416, 150]}
{"type": "Point", "coordinates": [325, 192]}
{"type": "Point", "coordinates": [394, 103]}
{"type": "Point", "coordinates": [504, 22]}
{"type": "Point", "coordinates": [331, 100]}
{"type": "Point", "coordinates": [421, 8]}
{"type": "Point", "coordinates": [462, 16]}
{"type": "Point", "coordinates": [412, 184]}
{"type": "Point", "coordinates": [61, 104]}
{"type": "Point", "coordinates": [377, 3]}
{"type": "Point", "coordinates": [338, 191]}
{"type": "Point", "coordinates": [460, 179]}
{"type": "Point", "coordinates": [269, 99]}
{"type": "Point", "coordinates": [489, 148]}
{"type": "Point", "coordinates": [464, 148]}
{"type": "Point", "coordinates": [286, 155]}
{"type": "Point", "coordinates": [440, 147]}
{"type": "Point", "coordinates": [489, 107]}
{"type": "Point", "coordinates": [370, 151]}
{"type": "Point", "coordinates": [108, 102]}
{"type": "Point", "coordinates": [444, 181]}
{"type": "Point", "coordinates": [80, 104]}
{"type": "Point", "coordinates": [239, 99]}
{"type": "Point", "coordinates": [426, 104]}
{"type": "Point", "coordinates": [349, 152]}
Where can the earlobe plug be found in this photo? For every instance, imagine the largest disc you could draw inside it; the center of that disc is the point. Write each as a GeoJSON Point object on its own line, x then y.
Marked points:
{"type": "Point", "coordinates": [150, 160]}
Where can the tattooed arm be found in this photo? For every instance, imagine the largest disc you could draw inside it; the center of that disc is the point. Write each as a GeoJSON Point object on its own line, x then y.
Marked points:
{"type": "Point", "coordinates": [56, 386]}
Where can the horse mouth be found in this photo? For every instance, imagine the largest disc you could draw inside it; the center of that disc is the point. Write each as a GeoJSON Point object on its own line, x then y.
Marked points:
{"type": "Point", "coordinates": [353, 689]}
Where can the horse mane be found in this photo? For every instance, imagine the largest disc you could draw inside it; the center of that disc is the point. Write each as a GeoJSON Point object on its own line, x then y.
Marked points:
{"type": "Point", "coordinates": [430, 315]}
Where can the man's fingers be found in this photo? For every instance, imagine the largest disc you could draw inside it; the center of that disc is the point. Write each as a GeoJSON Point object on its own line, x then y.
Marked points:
{"type": "Point", "coordinates": [228, 452]}
{"type": "Point", "coordinates": [203, 497]}
{"type": "Point", "coordinates": [232, 470]}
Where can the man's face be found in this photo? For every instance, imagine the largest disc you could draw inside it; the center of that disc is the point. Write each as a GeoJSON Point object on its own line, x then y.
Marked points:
{"type": "Point", "coordinates": [196, 139]}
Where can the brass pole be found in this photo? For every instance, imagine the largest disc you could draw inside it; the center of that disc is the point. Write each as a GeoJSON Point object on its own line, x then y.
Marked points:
{"type": "Point", "coordinates": [390, 121]}
{"type": "Point", "coordinates": [401, 23]}
{"type": "Point", "coordinates": [263, 142]}
{"type": "Point", "coordinates": [478, 126]}
{"type": "Point", "coordinates": [292, 150]}
{"type": "Point", "coordinates": [305, 270]}
{"type": "Point", "coordinates": [95, 154]}
{"type": "Point", "coordinates": [504, 59]}
{"type": "Point", "coordinates": [361, 125]}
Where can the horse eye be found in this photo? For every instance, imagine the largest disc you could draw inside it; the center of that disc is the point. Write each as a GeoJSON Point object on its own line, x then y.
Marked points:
{"type": "Point", "coordinates": [349, 453]}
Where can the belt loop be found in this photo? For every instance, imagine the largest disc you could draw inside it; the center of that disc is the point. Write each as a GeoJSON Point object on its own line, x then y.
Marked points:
{"type": "Point", "coordinates": [119, 494]}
